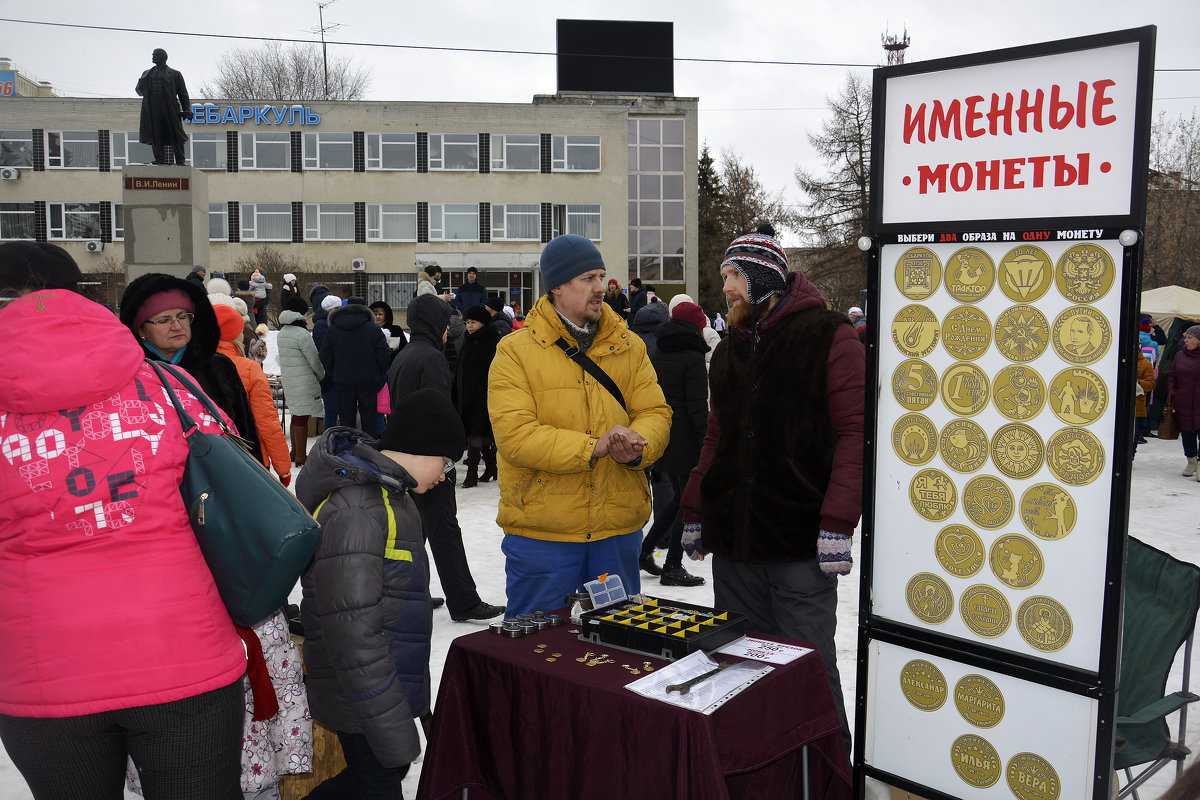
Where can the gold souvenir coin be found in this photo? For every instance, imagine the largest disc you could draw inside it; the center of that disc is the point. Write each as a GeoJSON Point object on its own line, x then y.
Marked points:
{"type": "Point", "coordinates": [933, 495]}
{"type": "Point", "coordinates": [1048, 511]}
{"type": "Point", "coordinates": [964, 389]}
{"type": "Point", "coordinates": [1017, 450]}
{"type": "Point", "coordinates": [918, 273]}
{"type": "Point", "coordinates": [975, 761]}
{"type": "Point", "coordinates": [979, 701]}
{"type": "Point", "coordinates": [1044, 624]}
{"type": "Point", "coordinates": [929, 598]}
{"type": "Point", "coordinates": [1030, 777]}
{"type": "Point", "coordinates": [1081, 335]}
{"type": "Point", "coordinates": [970, 275]}
{"type": "Point", "coordinates": [923, 685]}
{"type": "Point", "coordinates": [1025, 273]}
{"type": "Point", "coordinates": [959, 550]}
{"type": "Point", "coordinates": [1016, 561]}
{"type": "Point", "coordinates": [915, 385]}
{"type": "Point", "coordinates": [966, 333]}
{"type": "Point", "coordinates": [1078, 396]}
{"type": "Point", "coordinates": [1018, 392]}
{"type": "Point", "coordinates": [1022, 333]}
{"type": "Point", "coordinates": [915, 331]}
{"type": "Point", "coordinates": [1085, 273]}
{"type": "Point", "coordinates": [964, 445]}
{"type": "Point", "coordinates": [984, 610]}
{"type": "Point", "coordinates": [988, 501]}
{"type": "Point", "coordinates": [915, 439]}
{"type": "Point", "coordinates": [1075, 456]}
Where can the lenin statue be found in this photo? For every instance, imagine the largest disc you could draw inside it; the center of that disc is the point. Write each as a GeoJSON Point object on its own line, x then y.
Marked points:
{"type": "Point", "coordinates": [164, 101]}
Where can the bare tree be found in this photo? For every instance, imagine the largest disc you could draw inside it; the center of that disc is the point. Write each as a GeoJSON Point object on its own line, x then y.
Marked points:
{"type": "Point", "coordinates": [295, 73]}
{"type": "Point", "coordinates": [1172, 253]}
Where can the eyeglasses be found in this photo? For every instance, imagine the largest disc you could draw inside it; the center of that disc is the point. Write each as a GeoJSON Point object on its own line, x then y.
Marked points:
{"type": "Point", "coordinates": [184, 320]}
{"type": "Point", "coordinates": [448, 467]}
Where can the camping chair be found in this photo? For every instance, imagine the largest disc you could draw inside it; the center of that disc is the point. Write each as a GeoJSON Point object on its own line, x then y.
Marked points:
{"type": "Point", "coordinates": [1162, 595]}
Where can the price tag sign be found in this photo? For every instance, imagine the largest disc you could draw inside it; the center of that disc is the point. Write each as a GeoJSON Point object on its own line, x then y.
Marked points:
{"type": "Point", "coordinates": [762, 650]}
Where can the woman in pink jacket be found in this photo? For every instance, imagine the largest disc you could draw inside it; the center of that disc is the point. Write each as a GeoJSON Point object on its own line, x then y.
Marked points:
{"type": "Point", "coordinates": [115, 641]}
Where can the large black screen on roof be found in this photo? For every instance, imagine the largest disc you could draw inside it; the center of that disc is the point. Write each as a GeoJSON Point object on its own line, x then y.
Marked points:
{"type": "Point", "coordinates": [613, 56]}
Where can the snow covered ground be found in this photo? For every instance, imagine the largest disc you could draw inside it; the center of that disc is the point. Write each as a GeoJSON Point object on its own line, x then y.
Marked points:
{"type": "Point", "coordinates": [1163, 514]}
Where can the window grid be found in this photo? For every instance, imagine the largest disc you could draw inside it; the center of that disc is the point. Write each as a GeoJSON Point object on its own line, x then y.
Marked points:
{"type": "Point", "coordinates": [516, 152]}
{"type": "Point", "coordinates": [392, 151]}
{"type": "Point", "coordinates": [18, 220]}
{"type": "Point", "coordinates": [360, 222]}
{"type": "Point", "coordinates": [218, 222]}
{"type": "Point", "coordinates": [126, 150]}
{"type": "Point", "coordinates": [265, 150]}
{"type": "Point", "coordinates": [360, 152]}
{"type": "Point", "coordinates": [656, 198]}
{"type": "Point", "coordinates": [328, 151]}
{"type": "Point", "coordinates": [393, 222]}
{"type": "Point", "coordinates": [231, 157]}
{"type": "Point", "coordinates": [109, 213]}
{"type": "Point", "coordinates": [209, 150]}
{"type": "Point", "coordinates": [16, 148]}
{"type": "Point", "coordinates": [485, 225]}
{"type": "Point", "coordinates": [453, 222]}
{"type": "Point", "coordinates": [105, 154]}
{"type": "Point", "coordinates": [297, 220]}
{"type": "Point", "coordinates": [575, 153]}
{"type": "Point", "coordinates": [453, 152]}
{"type": "Point", "coordinates": [266, 222]}
{"type": "Point", "coordinates": [74, 221]}
{"type": "Point", "coordinates": [39, 153]}
{"type": "Point", "coordinates": [485, 153]}
{"type": "Point", "coordinates": [296, 139]}
{"type": "Point", "coordinates": [329, 222]}
{"type": "Point", "coordinates": [516, 222]}
{"type": "Point", "coordinates": [72, 149]}
{"type": "Point", "coordinates": [581, 219]}
{"type": "Point", "coordinates": [235, 219]}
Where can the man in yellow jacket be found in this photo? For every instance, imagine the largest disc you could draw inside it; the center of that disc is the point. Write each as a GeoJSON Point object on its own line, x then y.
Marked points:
{"type": "Point", "coordinates": [573, 491]}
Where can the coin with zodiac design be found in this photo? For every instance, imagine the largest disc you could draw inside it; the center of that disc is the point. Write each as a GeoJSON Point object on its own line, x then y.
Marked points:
{"type": "Point", "coordinates": [970, 275]}
{"type": "Point", "coordinates": [918, 273]}
{"type": "Point", "coordinates": [965, 389]}
{"type": "Point", "coordinates": [1044, 624]}
{"type": "Point", "coordinates": [1022, 333]}
{"type": "Point", "coordinates": [1078, 396]}
{"type": "Point", "coordinates": [1047, 511]}
{"type": "Point", "coordinates": [1017, 450]}
{"type": "Point", "coordinates": [1016, 561]}
{"type": "Point", "coordinates": [915, 439]}
{"type": "Point", "coordinates": [1018, 392]}
{"type": "Point", "coordinates": [915, 331]}
{"type": "Point", "coordinates": [1025, 273]}
{"type": "Point", "coordinates": [1080, 335]}
{"type": "Point", "coordinates": [966, 333]}
{"type": "Point", "coordinates": [988, 502]}
{"type": "Point", "coordinates": [929, 598]}
{"type": "Point", "coordinates": [914, 385]}
{"type": "Point", "coordinates": [1075, 456]}
{"type": "Point", "coordinates": [1085, 273]}
{"type": "Point", "coordinates": [964, 445]}
{"type": "Point", "coordinates": [933, 495]}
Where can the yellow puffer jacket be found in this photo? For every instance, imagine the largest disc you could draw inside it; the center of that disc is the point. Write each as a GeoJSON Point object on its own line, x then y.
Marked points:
{"type": "Point", "coordinates": [547, 415]}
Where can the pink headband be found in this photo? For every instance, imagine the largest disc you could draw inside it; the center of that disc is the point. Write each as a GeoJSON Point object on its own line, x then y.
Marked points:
{"type": "Point", "coordinates": [161, 301]}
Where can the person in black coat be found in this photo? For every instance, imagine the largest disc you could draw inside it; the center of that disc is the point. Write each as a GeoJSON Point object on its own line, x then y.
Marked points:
{"type": "Point", "coordinates": [471, 380]}
{"type": "Point", "coordinates": [289, 296]}
{"type": "Point", "coordinates": [356, 354]}
{"type": "Point", "coordinates": [646, 321]}
{"type": "Point", "coordinates": [679, 361]}
{"type": "Point", "coordinates": [386, 319]}
{"type": "Point", "coordinates": [500, 320]}
{"type": "Point", "coordinates": [471, 293]}
{"type": "Point", "coordinates": [218, 377]}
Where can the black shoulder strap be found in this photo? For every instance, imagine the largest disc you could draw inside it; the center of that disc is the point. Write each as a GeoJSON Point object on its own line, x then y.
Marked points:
{"type": "Point", "coordinates": [592, 368]}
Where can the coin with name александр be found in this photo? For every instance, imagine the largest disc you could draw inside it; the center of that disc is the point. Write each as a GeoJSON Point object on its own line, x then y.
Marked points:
{"type": "Point", "coordinates": [985, 610]}
{"type": "Point", "coordinates": [1048, 511]}
{"type": "Point", "coordinates": [933, 495]}
{"type": "Point", "coordinates": [915, 331]}
{"type": "Point", "coordinates": [1044, 624]}
{"type": "Point", "coordinates": [923, 685]}
{"type": "Point", "coordinates": [1080, 335]}
{"type": "Point", "coordinates": [1085, 273]}
{"type": "Point", "coordinates": [959, 550]}
{"type": "Point", "coordinates": [1022, 333]}
{"type": "Point", "coordinates": [979, 701]}
{"type": "Point", "coordinates": [1017, 450]}
{"type": "Point", "coordinates": [1025, 273]}
{"type": "Point", "coordinates": [915, 439]}
{"type": "Point", "coordinates": [969, 274]}
{"type": "Point", "coordinates": [918, 273]}
{"type": "Point", "coordinates": [975, 761]}
{"type": "Point", "coordinates": [965, 389]}
{"type": "Point", "coordinates": [1075, 456]}
{"type": "Point", "coordinates": [1018, 392]}
{"type": "Point", "coordinates": [1031, 777]}
{"type": "Point", "coordinates": [1016, 561]}
{"type": "Point", "coordinates": [988, 502]}
{"type": "Point", "coordinates": [1078, 396]}
{"type": "Point", "coordinates": [915, 385]}
{"type": "Point", "coordinates": [929, 598]}
{"type": "Point", "coordinates": [966, 333]}
{"type": "Point", "coordinates": [964, 445]}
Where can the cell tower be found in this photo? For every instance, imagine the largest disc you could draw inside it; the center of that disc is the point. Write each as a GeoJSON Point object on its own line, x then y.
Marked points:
{"type": "Point", "coordinates": [895, 46]}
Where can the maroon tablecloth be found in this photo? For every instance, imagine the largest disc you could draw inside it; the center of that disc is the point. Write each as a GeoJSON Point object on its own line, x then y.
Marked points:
{"type": "Point", "coordinates": [510, 724]}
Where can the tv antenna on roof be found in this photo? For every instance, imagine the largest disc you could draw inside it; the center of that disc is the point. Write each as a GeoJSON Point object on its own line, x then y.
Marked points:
{"type": "Point", "coordinates": [321, 29]}
{"type": "Point", "coordinates": [895, 46]}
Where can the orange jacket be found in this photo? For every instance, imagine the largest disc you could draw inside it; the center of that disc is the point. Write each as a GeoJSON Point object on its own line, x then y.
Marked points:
{"type": "Point", "coordinates": [262, 404]}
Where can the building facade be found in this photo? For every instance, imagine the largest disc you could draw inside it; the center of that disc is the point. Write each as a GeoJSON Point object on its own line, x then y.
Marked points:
{"type": "Point", "coordinates": [380, 188]}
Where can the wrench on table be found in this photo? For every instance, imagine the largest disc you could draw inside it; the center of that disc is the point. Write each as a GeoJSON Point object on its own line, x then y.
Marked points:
{"type": "Point", "coordinates": [684, 688]}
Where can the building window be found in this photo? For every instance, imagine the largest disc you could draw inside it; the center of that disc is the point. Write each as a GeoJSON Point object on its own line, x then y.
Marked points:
{"type": "Point", "coordinates": [391, 222]}
{"type": "Point", "coordinates": [656, 198]}
{"type": "Point", "coordinates": [329, 151]}
{"type": "Point", "coordinates": [18, 220]}
{"type": "Point", "coordinates": [72, 150]}
{"type": "Point", "coordinates": [454, 151]}
{"type": "Point", "coordinates": [520, 152]}
{"type": "Point", "coordinates": [516, 222]}
{"type": "Point", "coordinates": [453, 222]}
{"type": "Point", "coordinates": [16, 148]}
{"type": "Point", "coordinates": [209, 150]}
{"type": "Point", "coordinates": [581, 220]}
{"type": "Point", "coordinates": [392, 151]}
{"type": "Point", "coordinates": [218, 222]}
{"type": "Point", "coordinates": [266, 151]}
{"type": "Point", "coordinates": [74, 220]}
{"type": "Point", "coordinates": [576, 153]}
{"type": "Point", "coordinates": [126, 149]}
{"type": "Point", "coordinates": [118, 220]}
{"type": "Point", "coordinates": [266, 222]}
{"type": "Point", "coordinates": [329, 222]}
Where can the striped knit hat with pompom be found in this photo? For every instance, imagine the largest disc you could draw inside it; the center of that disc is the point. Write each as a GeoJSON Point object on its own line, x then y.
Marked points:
{"type": "Point", "coordinates": [761, 261]}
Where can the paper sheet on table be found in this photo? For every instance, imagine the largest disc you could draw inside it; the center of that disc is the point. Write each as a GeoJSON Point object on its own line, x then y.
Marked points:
{"type": "Point", "coordinates": [762, 650]}
{"type": "Point", "coordinates": [706, 696]}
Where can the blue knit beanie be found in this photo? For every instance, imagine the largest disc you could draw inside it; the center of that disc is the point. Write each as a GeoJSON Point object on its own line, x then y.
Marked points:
{"type": "Point", "coordinates": [567, 257]}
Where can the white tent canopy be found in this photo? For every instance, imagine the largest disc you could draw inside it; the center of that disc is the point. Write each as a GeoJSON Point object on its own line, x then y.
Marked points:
{"type": "Point", "coordinates": [1168, 302]}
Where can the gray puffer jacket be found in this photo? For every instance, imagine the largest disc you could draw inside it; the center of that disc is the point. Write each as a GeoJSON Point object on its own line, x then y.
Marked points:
{"type": "Point", "coordinates": [367, 617]}
{"type": "Point", "coordinates": [300, 365]}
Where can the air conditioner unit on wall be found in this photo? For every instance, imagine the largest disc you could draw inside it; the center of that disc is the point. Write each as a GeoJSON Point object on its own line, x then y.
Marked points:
{"type": "Point", "coordinates": [95, 247]}
{"type": "Point", "coordinates": [358, 264]}
{"type": "Point", "coordinates": [10, 174]}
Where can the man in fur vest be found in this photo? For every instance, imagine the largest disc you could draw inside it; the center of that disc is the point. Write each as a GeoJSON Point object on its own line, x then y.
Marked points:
{"type": "Point", "coordinates": [778, 489]}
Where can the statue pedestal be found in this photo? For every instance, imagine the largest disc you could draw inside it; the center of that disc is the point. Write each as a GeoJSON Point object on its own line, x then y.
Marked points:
{"type": "Point", "coordinates": [166, 220]}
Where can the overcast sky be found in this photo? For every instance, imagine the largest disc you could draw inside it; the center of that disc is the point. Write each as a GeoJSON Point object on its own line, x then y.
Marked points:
{"type": "Point", "coordinates": [761, 111]}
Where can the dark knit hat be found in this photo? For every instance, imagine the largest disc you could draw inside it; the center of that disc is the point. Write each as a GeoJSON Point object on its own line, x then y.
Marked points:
{"type": "Point", "coordinates": [477, 313]}
{"type": "Point", "coordinates": [37, 265]}
{"type": "Point", "coordinates": [636, 282]}
{"type": "Point", "coordinates": [432, 270]}
{"type": "Point", "coordinates": [566, 258]}
{"type": "Point", "coordinates": [761, 261]}
{"type": "Point", "coordinates": [690, 312]}
{"type": "Point", "coordinates": [495, 303]}
{"type": "Point", "coordinates": [1193, 331]}
{"type": "Point", "coordinates": [424, 423]}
